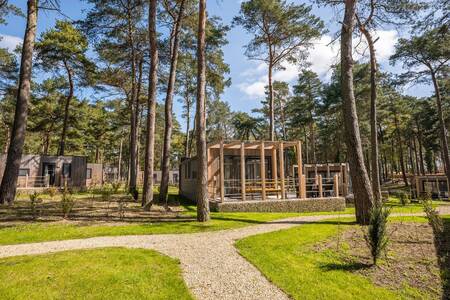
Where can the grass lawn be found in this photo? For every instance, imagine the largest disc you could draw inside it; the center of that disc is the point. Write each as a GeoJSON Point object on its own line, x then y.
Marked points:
{"type": "Point", "coordinates": [109, 273]}
{"type": "Point", "coordinates": [288, 258]}
{"type": "Point", "coordinates": [184, 222]}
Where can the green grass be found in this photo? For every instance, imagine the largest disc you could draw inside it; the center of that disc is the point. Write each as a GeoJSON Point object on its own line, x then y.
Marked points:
{"type": "Point", "coordinates": [288, 259]}
{"type": "Point", "coordinates": [40, 232]}
{"type": "Point", "coordinates": [110, 273]}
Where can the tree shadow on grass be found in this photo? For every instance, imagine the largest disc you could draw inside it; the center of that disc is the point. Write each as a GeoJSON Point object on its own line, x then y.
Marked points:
{"type": "Point", "coordinates": [443, 251]}
{"type": "Point", "coordinates": [345, 266]}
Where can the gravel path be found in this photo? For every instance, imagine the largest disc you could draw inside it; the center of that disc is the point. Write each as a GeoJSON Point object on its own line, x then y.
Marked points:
{"type": "Point", "coordinates": [212, 267]}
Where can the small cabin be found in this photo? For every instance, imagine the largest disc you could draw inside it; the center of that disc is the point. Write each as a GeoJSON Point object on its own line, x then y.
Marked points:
{"type": "Point", "coordinates": [43, 171]}
{"type": "Point", "coordinates": [259, 170]}
{"type": "Point", "coordinates": [434, 185]}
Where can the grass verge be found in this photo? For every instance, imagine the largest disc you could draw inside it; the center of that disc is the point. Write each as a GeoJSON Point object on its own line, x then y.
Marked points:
{"type": "Point", "coordinates": [288, 259]}
{"type": "Point", "coordinates": [109, 273]}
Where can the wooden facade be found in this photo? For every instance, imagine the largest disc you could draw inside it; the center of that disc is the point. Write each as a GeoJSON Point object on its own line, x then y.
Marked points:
{"type": "Point", "coordinates": [433, 185]}
{"type": "Point", "coordinates": [45, 171]}
{"type": "Point", "coordinates": [260, 170]}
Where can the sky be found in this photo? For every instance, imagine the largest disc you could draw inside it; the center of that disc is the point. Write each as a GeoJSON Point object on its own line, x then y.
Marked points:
{"type": "Point", "coordinates": [248, 77]}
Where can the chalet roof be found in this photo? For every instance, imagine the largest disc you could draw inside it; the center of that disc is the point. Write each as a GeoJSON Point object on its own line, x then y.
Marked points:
{"type": "Point", "coordinates": [268, 145]}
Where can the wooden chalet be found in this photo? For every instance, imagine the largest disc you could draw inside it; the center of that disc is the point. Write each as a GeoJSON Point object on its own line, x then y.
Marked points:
{"type": "Point", "coordinates": [254, 170]}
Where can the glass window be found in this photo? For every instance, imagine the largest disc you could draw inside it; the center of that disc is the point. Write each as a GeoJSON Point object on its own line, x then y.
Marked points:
{"type": "Point", "coordinates": [24, 172]}
{"type": "Point", "coordinates": [89, 173]}
{"type": "Point", "coordinates": [66, 172]}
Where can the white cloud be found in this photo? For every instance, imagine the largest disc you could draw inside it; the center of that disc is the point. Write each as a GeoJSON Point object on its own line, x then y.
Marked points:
{"type": "Point", "coordinates": [322, 56]}
{"type": "Point", "coordinates": [253, 90]}
{"type": "Point", "coordinates": [10, 42]}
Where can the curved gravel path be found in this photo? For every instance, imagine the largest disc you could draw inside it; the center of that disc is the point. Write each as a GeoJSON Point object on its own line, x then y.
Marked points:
{"type": "Point", "coordinates": [211, 265]}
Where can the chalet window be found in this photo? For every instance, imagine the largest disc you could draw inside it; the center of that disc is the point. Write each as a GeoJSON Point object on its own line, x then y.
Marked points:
{"type": "Point", "coordinates": [67, 170]}
{"type": "Point", "coordinates": [24, 172]}
{"type": "Point", "coordinates": [89, 173]}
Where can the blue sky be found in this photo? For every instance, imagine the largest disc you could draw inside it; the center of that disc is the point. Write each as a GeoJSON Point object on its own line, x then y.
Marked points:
{"type": "Point", "coordinates": [248, 77]}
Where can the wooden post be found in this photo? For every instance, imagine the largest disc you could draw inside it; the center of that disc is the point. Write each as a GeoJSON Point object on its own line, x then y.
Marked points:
{"type": "Point", "coordinates": [281, 153]}
{"type": "Point", "coordinates": [263, 171]}
{"type": "Point", "coordinates": [336, 185]}
{"type": "Point", "coordinates": [26, 180]}
{"type": "Point", "coordinates": [222, 174]}
{"type": "Point", "coordinates": [303, 187]}
{"type": "Point", "coordinates": [275, 170]}
{"type": "Point", "coordinates": [243, 171]}
{"type": "Point", "coordinates": [319, 178]}
{"type": "Point", "coordinates": [300, 167]}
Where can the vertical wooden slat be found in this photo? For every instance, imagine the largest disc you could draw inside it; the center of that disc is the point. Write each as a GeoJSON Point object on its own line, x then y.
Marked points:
{"type": "Point", "coordinates": [303, 187]}
{"type": "Point", "coordinates": [336, 185]}
{"type": "Point", "coordinates": [263, 171]}
{"type": "Point", "coordinates": [319, 178]}
{"type": "Point", "coordinates": [222, 174]}
{"type": "Point", "coordinates": [300, 167]}
{"type": "Point", "coordinates": [281, 153]}
{"type": "Point", "coordinates": [243, 171]}
{"type": "Point", "coordinates": [275, 170]}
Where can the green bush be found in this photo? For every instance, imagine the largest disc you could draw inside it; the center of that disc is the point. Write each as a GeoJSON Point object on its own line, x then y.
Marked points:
{"type": "Point", "coordinates": [377, 236]}
{"type": "Point", "coordinates": [433, 217]}
{"type": "Point", "coordinates": [404, 198]}
{"type": "Point", "coordinates": [35, 199]}
{"type": "Point", "coordinates": [51, 191]}
{"type": "Point", "coordinates": [116, 186]}
{"type": "Point", "coordinates": [67, 203]}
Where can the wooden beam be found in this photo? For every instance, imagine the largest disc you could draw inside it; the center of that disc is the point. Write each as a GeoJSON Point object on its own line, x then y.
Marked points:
{"type": "Point", "coordinates": [222, 173]}
{"type": "Point", "coordinates": [275, 169]}
{"type": "Point", "coordinates": [336, 185]}
{"type": "Point", "coordinates": [300, 167]}
{"type": "Point", "coordinates": [281, 153]}
{"type": "Point", "coordinates": [319, 178]}
{"type": "Point", "coordinates": [263, 171]}
{"type": "Point", "coordinates": [243, 171]}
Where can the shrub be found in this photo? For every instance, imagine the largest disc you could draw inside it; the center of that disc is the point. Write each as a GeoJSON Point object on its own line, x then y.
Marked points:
{"type": "Point", "coordinates": [106, 193]}
{"type": "Point", "coordinates": [404, 198]}
{"type": "Point", "coordinates": [377, 237]}
{"type": "Point", "coordinates": [116, 186]}
{"type": "Point", "coordinates": [67, 203]}
{"type": "Point", "coordinates": [121, 205]}
{"type": "Point", "coordinates": [433, 217]}
{"type": "Point", "coordinates": [35, 199]}
{"type": "Point", "coordinates": [52, 191]}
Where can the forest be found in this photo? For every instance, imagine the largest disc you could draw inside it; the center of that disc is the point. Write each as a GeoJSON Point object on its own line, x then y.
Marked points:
{"type": "Point", "coordinates": [142, 56]}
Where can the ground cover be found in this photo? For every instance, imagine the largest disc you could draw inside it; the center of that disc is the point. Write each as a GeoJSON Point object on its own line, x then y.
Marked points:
{"type": "Point", "coordinates": [109, 273]}
{"type": "Point", "coordinates": [307, 263]}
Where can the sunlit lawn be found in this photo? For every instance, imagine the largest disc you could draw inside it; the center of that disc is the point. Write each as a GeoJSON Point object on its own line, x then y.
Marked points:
{"type": "Point", "coordinates": [50, 231]}
{"type": "Point", "coordinates": [290, 261]}
{"type": "Point", "coordinates": [110, 273]}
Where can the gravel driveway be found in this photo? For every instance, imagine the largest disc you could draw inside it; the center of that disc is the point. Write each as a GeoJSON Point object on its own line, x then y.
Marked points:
{"type": "Point", "coordinates": [211, 265]}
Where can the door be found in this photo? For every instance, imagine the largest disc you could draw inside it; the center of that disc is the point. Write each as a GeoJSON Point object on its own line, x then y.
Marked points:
{"type": "Point", "coordinates": [49, 170]}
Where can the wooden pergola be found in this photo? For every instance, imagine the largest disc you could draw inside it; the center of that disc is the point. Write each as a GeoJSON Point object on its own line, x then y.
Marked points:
{"type": "Point", "coordinates": [277, 148]}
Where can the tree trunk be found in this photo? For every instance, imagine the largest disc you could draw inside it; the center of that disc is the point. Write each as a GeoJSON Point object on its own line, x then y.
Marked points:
{"type": "Point", "coordinates": [202, 159]}
{"type": "Point", "coordinates": [188, 129]}
{"type": "Point", "coordinates": [360, 179]}
{"type": "Point", "coordinates": [313, 143]}
{"type": "Point", "coordinates": [119, 165]}
{"type": "Point", "coordinates": [442, 127]}
{"type": "Point", "coordinates": [62, 142]}
{"type": "Point", "coordinates": [271, 111]}
{"type": "Point", "coordinates": [9, 181]}
{"type": "Point", "coordinates": [147, 197]}
{"type": "Point", "coordinates": [133, 107]}
{"type": "Point", "coordinates": [419, 139]}
{"type": "Point", "coordinates": [375, 169]}
{"type": "Point", "coordinates": [400, 146]}
{"type": "Point", "coordinates": [164, 188]}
